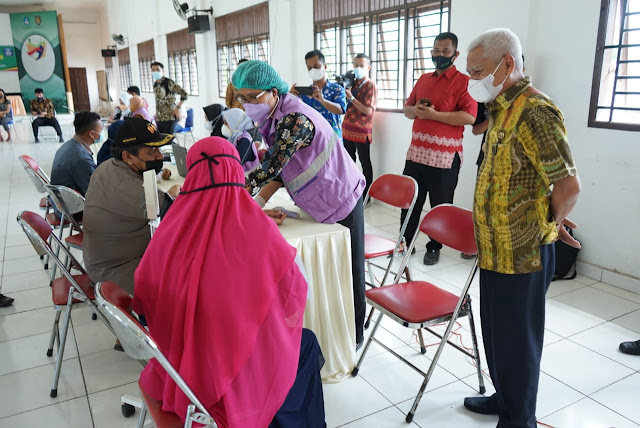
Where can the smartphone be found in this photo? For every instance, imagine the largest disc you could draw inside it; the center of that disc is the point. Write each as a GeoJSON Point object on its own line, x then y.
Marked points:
{"type": "Point", "coordinates": [290, 214]}
{"type": "Point", "coordinates": [425, 101]}
{"type": "Point", "coordinates": [305, 90]}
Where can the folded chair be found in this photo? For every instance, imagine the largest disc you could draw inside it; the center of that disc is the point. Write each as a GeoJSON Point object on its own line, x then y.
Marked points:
{"type": "Point", "coordinates": [401, 192]}
{"type": "Point", "coordinates": [66, 291]}
{"type": "Point", "coordinates": [420, 304]}
{"type": "Point", "coordinates": [138, 344]}
{"type": "Point", "coordinates": [38, 178]}
{"type": "Point", "coordinates": [68, 202]}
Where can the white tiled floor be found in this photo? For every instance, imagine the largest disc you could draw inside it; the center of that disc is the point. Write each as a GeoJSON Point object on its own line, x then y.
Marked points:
{"type": "Point", "coordinates": [585, 380]}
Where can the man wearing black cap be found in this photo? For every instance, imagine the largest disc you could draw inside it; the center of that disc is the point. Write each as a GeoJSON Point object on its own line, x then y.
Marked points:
{"type": "Point", "coordinates": [116, 229]}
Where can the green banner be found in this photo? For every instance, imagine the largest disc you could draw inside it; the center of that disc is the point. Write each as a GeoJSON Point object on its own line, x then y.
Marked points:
{"type": "Point", "coordinates": [38, 56]}
{"type": "Point", "coordinates": [8, 59]}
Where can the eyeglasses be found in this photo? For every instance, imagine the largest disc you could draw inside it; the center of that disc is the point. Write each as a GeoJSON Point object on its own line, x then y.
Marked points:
{"type": "Point", "coordinates": [251, 99]}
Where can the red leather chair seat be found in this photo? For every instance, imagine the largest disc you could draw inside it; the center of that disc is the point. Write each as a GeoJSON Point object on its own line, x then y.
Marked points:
{"type": "Point", "coordinates": [160, 417]}
{"type": "Point", "coordinates": [43, 202]}
{"type": "Point", "coordinates": [60, 289]}
{"type": "Point", "coordinates": [415, 302]}
{"type": "Point", "coordinates": [75, 240]}
{"type": "Point", "coordinates": [52, 219]}
{"type": "Point", "coordinates": [377, 246]}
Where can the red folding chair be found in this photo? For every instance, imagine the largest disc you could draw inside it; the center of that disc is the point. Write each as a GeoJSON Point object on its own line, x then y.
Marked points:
{"type": "Point", "coordinates": [41, 177]}
{"type": "Point", "coordinates": [138, 344]}
{"type": "Point", "coordinates": [68, 202]}
{"type": "Point", "coordinates": [420, 304]}
{"type": "Point", "coordinates": [401, 192]}
{"type": "Point", "coordinates": [66, 292]}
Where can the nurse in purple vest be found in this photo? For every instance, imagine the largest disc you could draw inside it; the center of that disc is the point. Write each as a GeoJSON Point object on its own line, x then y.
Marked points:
{"type": "Point", "coordinates": [306, 157]}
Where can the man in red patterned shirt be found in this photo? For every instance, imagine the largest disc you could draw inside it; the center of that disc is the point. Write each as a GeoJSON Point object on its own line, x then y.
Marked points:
{"type": "Point", "coordinates": [440, 106]}
{"type": "Point", "coordinates": [358, 121]}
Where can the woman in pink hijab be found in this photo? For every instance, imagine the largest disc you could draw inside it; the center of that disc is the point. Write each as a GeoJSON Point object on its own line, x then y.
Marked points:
{"type": "Point", "coordinates": [224, 299]}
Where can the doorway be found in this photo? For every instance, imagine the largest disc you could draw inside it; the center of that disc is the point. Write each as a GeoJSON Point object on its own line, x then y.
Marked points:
{"type": "Point", "coordinates": [79, 89]}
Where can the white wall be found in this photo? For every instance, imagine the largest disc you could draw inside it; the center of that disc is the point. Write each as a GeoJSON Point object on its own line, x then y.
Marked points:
{"type": "Point", "coordinates": [559, 54]}
{"type": "Point", "coordinates": [608, 161]}
{"type": "Point", "coordinates": [83, 37]}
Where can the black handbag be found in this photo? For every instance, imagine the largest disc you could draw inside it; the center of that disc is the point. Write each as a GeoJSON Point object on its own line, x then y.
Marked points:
{"type": "Point", "coordinates": [566, 257]}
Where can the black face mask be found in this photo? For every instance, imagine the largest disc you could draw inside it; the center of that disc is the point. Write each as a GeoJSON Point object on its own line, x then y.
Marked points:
{"type": "Point", "coordinates": [442, 62]}
{"type": "Point", "coordinates": [155, 165]}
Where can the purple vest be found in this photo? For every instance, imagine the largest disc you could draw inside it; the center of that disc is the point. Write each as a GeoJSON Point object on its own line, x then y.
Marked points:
{"type": "Point", "coordinates": [249, 165]}
{"type": "Point", "coordinates": [322, 179]}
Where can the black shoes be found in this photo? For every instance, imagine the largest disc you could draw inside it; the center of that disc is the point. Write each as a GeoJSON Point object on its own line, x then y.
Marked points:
{"type": "Point", "coordinates": [61, 139]}
{"type": "Point", "coordinates": [631, 348]}
{"type": "Point", "coordinates": [359, 345]}
{"type": "Point", "coordinates": [5, 301]}
{"type": "Point", "coordinates": [431, 257]}
{"type": "Point", "coordinates": [37, 140]}
{"type": "Point", "coordinates": [482, 405]}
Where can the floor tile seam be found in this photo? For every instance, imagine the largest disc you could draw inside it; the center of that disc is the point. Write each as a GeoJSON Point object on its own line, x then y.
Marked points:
{"type": "Point", "coordinates": [40, 407]}
{"type": "Point", "coordinates": [365, 416]}
{"type": "Point", "coordinates": [599, 353]}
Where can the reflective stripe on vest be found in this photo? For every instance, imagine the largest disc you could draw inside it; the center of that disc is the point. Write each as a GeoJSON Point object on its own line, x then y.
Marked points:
{"type": "Point", "coordinates": [315, 167]}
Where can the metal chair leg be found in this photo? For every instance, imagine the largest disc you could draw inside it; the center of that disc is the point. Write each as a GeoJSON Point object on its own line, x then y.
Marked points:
{"type": "Point", "coordinates": [143, 415]}
{"type": "Point", "coordinates": [369, 318]}
{"type": "Point", "coordinates": [54, 334]}
{"type": "Point", "coordinates": [481, 388]}
{"type": "Point", "coordinates": [53, 271]}
{"type": "Point", "coordinates": [63, 340]}
{"type": "Point", "coordinates": [423, 349]}
{"type": "Point", "coordinates": [356, 369]}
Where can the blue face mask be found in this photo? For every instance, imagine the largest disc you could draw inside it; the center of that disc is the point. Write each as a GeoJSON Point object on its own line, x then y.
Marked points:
{"type": "Point", "coordinates": [359, 72]}
{"type": "Point", "coordinates": [99, 140]}
{"type": "Point", "coordinates": [157, 75]}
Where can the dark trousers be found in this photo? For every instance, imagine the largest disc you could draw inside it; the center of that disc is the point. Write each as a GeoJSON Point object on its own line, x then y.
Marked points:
{"type": "Point", "coordinates": [166, 126]}
{"type": "Point", "coordinates": [364, 153]}
{"type": "Point", "coordinates": [512, 309]}
{"type": "Point", "coordinates": [355, 222]}
{"type": "Point", "coordinates": [440, 184]}
{"type": "Point", "coordinates": [304, 405]}
{"type": "Point", "coordinates": [43, 121]}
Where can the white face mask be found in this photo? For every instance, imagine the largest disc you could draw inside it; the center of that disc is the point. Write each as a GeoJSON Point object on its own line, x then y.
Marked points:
{"type": "Point", "coordinates": [316, 74]}
{"type": "Point", "coordinates": [226, 131]}
{"type": "Point", "coordinates": [208, 126]}
{"type": "Point", "coordinates": [359, 72]}
{"type": "Point", "coordinates": [483, 90]}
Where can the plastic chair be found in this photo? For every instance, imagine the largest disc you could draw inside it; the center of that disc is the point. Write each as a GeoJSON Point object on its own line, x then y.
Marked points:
{"type": "Point", "coordinates": [188, 127]}
{"type": "Point", "coordinates": [420, 304]}
{"type": "Point", "coordinates": [40, 128]}
{"type": "Point", "coordinates": [66, 291]}
{"type": "Point", "coordinates": [68, 202]}
{"type": "Point", "coordinates": [11, 124]}
{"type": "Point", "coordinates": [401, 192]}
{"type": "Point", "coordinates": [138, 344]}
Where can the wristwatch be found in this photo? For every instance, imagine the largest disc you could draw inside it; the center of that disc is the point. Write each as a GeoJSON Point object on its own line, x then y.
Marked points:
{"type": "Point", "coordinates": [351, 99]}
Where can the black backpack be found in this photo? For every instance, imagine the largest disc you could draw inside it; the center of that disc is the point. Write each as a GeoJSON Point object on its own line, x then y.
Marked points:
{"type": "Point", "coordinates": [566, 256]}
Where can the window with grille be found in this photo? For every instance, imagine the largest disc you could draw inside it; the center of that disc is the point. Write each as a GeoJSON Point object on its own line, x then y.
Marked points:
{"type": "Point", "coordinates": [111, 78]}
{"type": "Point", "coordinates": [124, 67]}
{"type": "Point", "coordinates": [615, 93]}
{"type": "Point", "coordinates": [183, 65]}
{"type": "Point", "coordinates": [243, 34]}
{"type": "Point", "coordinates": [146, 55]}
{"type": "Point", "coordinates": [397, 35]}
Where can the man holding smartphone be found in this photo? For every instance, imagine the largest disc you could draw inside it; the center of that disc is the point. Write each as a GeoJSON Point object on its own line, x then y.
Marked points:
{"type": "Point", "coordinates": [326, 97]}
{"type": "Point", "coordinates": [440, 107]}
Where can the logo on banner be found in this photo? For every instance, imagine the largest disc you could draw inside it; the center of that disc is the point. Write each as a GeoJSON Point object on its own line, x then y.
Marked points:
{"type": "Point", "coordinates": [8, 52]}
{"type": "Point", "coordinates": [38, 58]}
{"type": "Point", "coordinates": [26, 21]}
{"type": "Point", "coordinates": [38, 20]}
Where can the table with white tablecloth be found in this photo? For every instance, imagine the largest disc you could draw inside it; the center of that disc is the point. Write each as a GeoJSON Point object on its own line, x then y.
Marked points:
{"type": "Point", "coordinates": [325, 251]}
